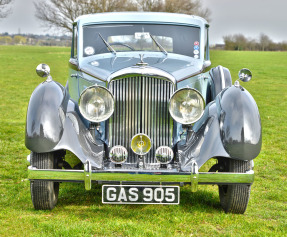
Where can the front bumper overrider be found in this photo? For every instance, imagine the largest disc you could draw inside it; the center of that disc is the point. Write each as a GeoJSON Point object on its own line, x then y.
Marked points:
{"type": "Point", "coordinates": [161, 177]}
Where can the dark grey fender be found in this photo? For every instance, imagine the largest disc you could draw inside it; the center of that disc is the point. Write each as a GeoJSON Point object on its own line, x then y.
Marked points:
{"type": "Point", "coordinates": [45, 117]}
{"type": "Point", "coordinates": [53, 123]}
{"type": "Point", "coordinates": [78, 139]}
{"type": "Point", "coordinates": [240, 124]}
{"type": "Point", "coordinates": [230, 127]}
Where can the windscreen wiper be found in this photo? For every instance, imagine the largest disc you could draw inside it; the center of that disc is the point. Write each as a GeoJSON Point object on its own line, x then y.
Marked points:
{"type": "Point", "coordinates": [108, 45]}
{"type": "Point", "coordinates": [158, 44]}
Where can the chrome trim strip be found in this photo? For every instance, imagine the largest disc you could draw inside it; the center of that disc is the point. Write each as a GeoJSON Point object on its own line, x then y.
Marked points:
{"type": "Point", "coordinates": [191, 75]}
{"type": "Point", "coordinates": [222, 76]}
{"type": "Point", "coordinates": [141, 176]}
{"type": "Point", "coordinates": [88, 175]}
{"type": "Point", "coordinates": [194, 177]}
{"type": "Point", "coordinates": [141, 71]}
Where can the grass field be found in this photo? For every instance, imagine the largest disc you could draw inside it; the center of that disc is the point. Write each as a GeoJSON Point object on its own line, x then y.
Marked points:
{"type": "Point", "coordinates": [81, 213]}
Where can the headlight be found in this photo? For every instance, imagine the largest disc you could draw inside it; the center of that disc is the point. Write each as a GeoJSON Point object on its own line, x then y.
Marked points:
{"type": "Point", "coordinates": [186, 106]}
{"type": "Point", "coordinates": [96, 104]}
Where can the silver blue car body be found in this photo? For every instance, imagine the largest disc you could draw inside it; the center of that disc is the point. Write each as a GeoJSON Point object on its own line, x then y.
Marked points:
{"type": "Point", "coordinates": [142, 83]}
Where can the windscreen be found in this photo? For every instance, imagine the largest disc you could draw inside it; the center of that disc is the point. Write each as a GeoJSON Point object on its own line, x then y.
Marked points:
{"type": "Point", "coordinates": [100, 39]}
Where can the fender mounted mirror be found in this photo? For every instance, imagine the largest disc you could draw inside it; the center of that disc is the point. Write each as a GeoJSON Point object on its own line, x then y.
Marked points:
{"type": "Point", "coordinates": [245, 75]}
{"type": "Point", "coordinates": [43, 70]}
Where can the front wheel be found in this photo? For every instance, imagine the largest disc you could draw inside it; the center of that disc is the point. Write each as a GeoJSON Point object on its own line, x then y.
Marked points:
{"type": "Point", "coordinates": [234, 198]}
{"type": "Point", "coordinates": [44, 194]}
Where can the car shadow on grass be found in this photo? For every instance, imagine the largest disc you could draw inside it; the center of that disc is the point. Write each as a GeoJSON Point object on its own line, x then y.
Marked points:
{"type": "Point", "coordinates": [75, 195]}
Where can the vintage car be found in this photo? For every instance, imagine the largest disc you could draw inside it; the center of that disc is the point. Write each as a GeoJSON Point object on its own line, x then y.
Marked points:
{"type": "Point", "coordinates": [143, 112]}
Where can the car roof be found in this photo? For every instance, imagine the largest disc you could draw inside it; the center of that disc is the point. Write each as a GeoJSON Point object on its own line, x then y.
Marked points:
{"type": "Point", "coordinates": [141, 17]}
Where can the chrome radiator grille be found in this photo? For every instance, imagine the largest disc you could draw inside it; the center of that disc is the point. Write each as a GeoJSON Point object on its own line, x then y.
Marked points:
{"type": "Point", "coordinates": [141, 106]}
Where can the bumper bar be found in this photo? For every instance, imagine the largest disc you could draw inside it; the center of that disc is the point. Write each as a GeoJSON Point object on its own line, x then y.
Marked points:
{"type": "Point", "coordinates": [88, 175]}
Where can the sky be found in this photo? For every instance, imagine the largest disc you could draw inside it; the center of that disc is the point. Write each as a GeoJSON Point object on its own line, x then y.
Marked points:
{"type": "Point", "coordinates": [248, 17]}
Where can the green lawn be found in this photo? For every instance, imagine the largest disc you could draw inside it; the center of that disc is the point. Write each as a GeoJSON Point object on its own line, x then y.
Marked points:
{"type": "Point", "coordinates": [81, 213]}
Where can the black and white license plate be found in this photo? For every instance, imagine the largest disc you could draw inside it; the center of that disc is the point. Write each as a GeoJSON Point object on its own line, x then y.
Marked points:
{"type": "Point", "coordinates": [139, 194]}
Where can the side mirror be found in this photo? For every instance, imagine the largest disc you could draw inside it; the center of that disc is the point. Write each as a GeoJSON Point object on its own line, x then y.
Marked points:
{"type": "Point", "coordinates": [245, 75]}
{"type": "Point", "coordinates": [43, 70]}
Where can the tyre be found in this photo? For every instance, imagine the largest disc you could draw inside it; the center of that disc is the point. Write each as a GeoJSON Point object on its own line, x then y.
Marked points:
{"type": "Point", "coordinates": [234, 198]}
{"type": "Point", "coordinates": [44, 194]}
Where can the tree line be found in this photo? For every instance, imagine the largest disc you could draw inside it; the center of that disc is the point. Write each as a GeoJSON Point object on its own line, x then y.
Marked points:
{"type": "Point", "coordinates": [263, 43]}
{"type": "Point", "coordinates": [32, 39]}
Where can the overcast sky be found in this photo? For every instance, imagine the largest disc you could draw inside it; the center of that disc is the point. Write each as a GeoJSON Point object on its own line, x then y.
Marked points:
{"type": "Point", "coordinates": [249, 17]}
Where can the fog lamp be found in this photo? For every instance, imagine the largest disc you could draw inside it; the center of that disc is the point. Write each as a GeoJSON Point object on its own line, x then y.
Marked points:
{"type": "Point", "coordinates": [118, 154]}
{"type": "Point", "coordinates": [186, 106]}
{"type": "Point", "coordinates": [141, 144]}
{"type": "Point", "coordinates": [164, 154]}
{"type": "Point", "coordinates": [96, 104]}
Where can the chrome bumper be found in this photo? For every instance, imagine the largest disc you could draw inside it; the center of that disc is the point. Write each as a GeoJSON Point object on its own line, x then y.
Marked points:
{"type": "Point", "coordinates": [162, 177]}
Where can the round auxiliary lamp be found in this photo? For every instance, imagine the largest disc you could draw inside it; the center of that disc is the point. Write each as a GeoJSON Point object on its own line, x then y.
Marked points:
{"type": "Point", "coordinates": [140, 144]}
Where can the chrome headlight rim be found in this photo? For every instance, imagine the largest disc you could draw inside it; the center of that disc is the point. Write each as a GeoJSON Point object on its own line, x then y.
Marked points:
{"type": "Point", "coordinates": [83, 112]}
{"type": "Point", "coordinates": [177, 91]}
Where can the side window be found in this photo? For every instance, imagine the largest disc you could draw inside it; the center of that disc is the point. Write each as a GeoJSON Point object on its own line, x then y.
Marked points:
{"type": "Point", "coordinates": [75, 42]}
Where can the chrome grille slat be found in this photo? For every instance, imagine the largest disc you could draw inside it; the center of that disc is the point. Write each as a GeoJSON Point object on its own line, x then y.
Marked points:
{"type": "Point", "coordinates": [118, 115]}
{"type": "Point", "coordinates": [120, 112]}
{"type": "Point", "coordinates": [165, 115]}
{"type": "Point", "coordinates": [130, 115]}
{"type": "Point", "coordinates": [111, 121]}
{"type": "Point", "coordinates": [157, 114]}
{"type": "Point", "coordinates": [141, 106]}
{"type": "Point", "coordinates": [134, 119]}
{"type": "Point", "coordinates": [161, 113]}
{"type": "Point", "coordinates": [138, 118]}
{"type": "Point", "coordinates": [150, 112]}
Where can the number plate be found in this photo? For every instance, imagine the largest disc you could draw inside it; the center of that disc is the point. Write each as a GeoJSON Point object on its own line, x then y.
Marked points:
{"type": "Point", "coordinates": [131, 194]}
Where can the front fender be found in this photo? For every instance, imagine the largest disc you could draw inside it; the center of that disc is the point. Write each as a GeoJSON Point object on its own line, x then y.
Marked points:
{"type": "Point", "coordinates": [230, 127]}
{"type": "Point", "coordinates": [45, 117]}
{"type": "Point", "coordinates": [240, 124]}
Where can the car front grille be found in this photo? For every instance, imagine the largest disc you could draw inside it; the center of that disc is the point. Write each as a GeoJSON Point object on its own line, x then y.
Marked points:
{"type": "Point", "coordinates": [141, 106]}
